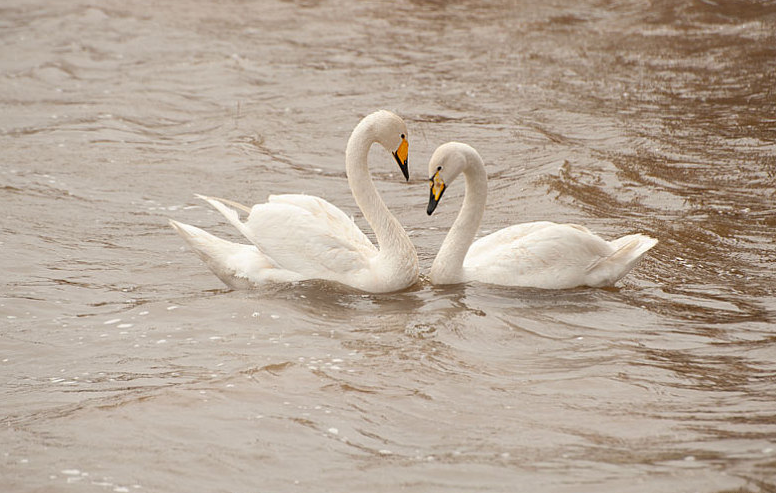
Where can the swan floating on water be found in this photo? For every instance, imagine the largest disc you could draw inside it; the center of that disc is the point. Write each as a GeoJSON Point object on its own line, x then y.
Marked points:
{"type": "Point", "coordinates": [538, 254]}
{"type": "Point", "coordinates": [296, 237]}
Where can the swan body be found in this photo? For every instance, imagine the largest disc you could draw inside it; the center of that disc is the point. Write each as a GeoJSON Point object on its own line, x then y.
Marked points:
{"type": "Point", "coordinates": [296, 237]}
{"type": "Point", "coordinates": [539, 254]}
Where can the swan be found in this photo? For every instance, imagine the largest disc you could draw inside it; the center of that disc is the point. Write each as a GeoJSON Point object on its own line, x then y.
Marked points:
{"type": "Point", "coordinates": [296, 237]}
{"type": "Point", "coordinates": [538, 254]}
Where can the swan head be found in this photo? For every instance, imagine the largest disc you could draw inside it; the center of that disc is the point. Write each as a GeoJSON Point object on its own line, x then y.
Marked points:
{"type": "Point", "coordinates": [390, 131]}
{"type": "Point", "coordinates": [447, 162]}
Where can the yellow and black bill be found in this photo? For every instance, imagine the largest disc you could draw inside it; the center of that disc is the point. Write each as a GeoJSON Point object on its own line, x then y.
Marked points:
{"type": "Point", "coordinates": [437, 189]}
{"type": "Point", "coordinates": [401, 157]}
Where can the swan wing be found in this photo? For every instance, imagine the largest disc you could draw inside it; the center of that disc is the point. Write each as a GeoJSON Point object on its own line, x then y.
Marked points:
{"type": "Point", "coordinates": [313, 242]}
{"type": "Point", "coordinates": [339, 223]}
{"type": "Point", "coordinates": [542, 254]}
{"type": "Point", "coordinates": [506, 236]}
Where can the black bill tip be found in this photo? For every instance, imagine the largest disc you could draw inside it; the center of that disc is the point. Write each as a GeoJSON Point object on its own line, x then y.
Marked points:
{"type": "Point", "coordinates": [402, 166]}
{"type": "Point", "coordinates": [432, 203]}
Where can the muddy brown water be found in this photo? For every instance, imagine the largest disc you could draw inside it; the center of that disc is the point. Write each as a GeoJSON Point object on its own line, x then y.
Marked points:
{"type": "Point", "coordinates": [127, 366]}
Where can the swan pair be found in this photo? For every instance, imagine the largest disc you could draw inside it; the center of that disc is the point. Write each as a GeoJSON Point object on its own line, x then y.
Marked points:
{"type": "Point", "coordinates": [296, 237]}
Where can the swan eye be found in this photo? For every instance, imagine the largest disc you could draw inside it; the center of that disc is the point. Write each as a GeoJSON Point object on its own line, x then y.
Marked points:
{"type": "Point", "coordinates": [402, 136]}
{"type": "Point", "coordinates": [439, 168]}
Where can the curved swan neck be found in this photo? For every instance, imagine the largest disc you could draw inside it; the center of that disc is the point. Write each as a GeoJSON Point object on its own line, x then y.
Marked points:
{"type": "Point", "coordinates": [448, 264]}
{"type": "Point", "coordinates": [392, 240]}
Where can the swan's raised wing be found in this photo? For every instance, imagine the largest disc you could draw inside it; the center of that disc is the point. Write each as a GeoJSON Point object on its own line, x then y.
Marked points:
{"type": "Point", "coordinates": [339, 223]}
{"type": "Point", "coordinates": [302, 235]}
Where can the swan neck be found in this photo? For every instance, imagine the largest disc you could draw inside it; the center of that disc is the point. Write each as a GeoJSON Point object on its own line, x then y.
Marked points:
{"type": "Point", "coordinates": [448, 264]}
{"type": "Point", "coordinates": [394, 244]}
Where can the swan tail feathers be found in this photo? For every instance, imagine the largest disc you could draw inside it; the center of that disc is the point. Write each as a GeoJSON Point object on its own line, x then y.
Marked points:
{"type": "Point", "coordinates": [628, 251]}
{"type": "Point", "coordinates": [237, 265]}
{"type": "Point", "coordinates": [632, 247]}
{"type": "Point", "coordinates": [204, 244]}
{"type": "Point", "coordinates": [225, 259]}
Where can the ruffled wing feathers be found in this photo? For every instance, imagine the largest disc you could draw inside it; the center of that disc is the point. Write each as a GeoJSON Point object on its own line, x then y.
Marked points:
{"type": "Point", "coordinates": [304, 234]}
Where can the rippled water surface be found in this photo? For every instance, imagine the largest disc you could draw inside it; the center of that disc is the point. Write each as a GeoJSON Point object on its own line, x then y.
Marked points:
{"type": "Point", "coordinates": [127, 366]}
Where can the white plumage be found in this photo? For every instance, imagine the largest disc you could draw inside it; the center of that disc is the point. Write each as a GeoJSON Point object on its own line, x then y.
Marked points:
{"type": "Point", "coordinates": [296, 237]}
{"type": "Point", "coordinates": [538, 254]}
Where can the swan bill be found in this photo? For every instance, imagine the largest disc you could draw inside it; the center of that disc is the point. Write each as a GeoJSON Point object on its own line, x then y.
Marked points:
{"type": "Point", "coordinates": [401, 157]}
{"type": "Point", "coordinates": [432, 203]}
{"type": "Point", "coordinates": [437, 189]}
{"type": "Point", "coordinates": [434, 197]}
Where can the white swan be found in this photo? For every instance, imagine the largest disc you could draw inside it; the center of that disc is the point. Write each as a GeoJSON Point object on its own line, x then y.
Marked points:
{"type": "Point", "coordinates": [538, 254]}
{"type": "Point", "coordinates": [296, 237]}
